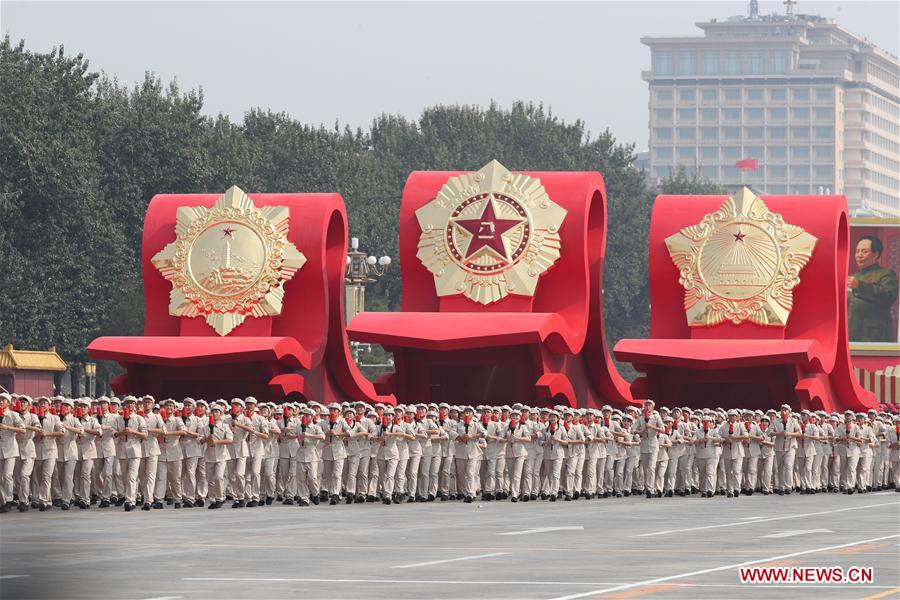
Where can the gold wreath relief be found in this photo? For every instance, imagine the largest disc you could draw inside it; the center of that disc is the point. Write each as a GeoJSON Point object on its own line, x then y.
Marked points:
{"type": "Point", "coordinates": [740, 263]}
{"type": "Point", "coordinates": [489, 234]}
{"type": "Point", "coordinates": [229, 262]}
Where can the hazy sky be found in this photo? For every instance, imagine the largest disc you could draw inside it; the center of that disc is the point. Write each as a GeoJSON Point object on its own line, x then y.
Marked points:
{"type": "Point", "coordinates": [350, 61]}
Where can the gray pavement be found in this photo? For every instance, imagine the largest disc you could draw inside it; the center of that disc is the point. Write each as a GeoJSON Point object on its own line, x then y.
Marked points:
{"type": "Point", "coordinates": [616, 548]}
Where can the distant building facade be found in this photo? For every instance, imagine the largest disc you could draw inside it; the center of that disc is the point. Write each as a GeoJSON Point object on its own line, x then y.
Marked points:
{"type": "Point", "coordinates": [30, 372]}
{"type": "Point", "coordinates": [813, 107]}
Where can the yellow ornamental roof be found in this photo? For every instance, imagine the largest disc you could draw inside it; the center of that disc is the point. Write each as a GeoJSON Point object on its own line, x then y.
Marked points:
{"type": "Point", "coordinates": [31, 360]}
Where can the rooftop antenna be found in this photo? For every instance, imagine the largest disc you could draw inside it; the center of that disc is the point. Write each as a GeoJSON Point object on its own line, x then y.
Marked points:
{"type": "Point", "coordinates": [754, 9]}
{"type": "Point", "coordinates": [789, 7]}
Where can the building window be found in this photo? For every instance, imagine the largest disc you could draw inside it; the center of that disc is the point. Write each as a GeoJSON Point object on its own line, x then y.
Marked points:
{"type": "Point", "coordinates": [664, 114]}
{"type": "Point", "coordinates": [824, 172]}
{"type": "Point", "coordinates": [687, 95]}
{"type": "Point", "coordinates": [710, 95]}
{"type": "Point", "coordinates": [824, 133]}
{"type": "Point", "coordinates": [824, 152]}
{"type": "Point", "coordinates": [755, 62]}
{"type": "Point", "coordinates": [825, 113]}
{"type": "Point", "coordinates": [779, 62]}
{"type": "Point", "coordinates": [778, 94]}
{"type": "Point", "coordinates": [732, 133]}
{"type": "Point", "coordinates": [687, 115]}
{"type": "Point", "coordinates": [824, 94]}
{"type": "Point", "coordinates": [686, 153]}
{"type": "Point", "coordinates": [663, 95]}
{"type": "Point", "coordinates": [664, 62]}
{"type": "Point", "coordinates": [731, 153]}
{"type": "Point", "coordinates": [732, 114]}
{"type": "Point", "coordinates": [799, 152]}
{"type": "Point", "coordinates": [753, 133]}
{"type": "Point", "coordinates": [709, 134]}
{"type": "Point", "coordinates": [709, 64]}
{"type": "Point", "coordinates": [733, 95]}
{"type": "Point", "coordinates": [685, 63]}
{"type": "Point", "coordinates": [709, 115]}
{"type": "Point", "coordinates": [663, 133]}
{"type": "Point", "coordinates": [709, 153]}
{"type": "Point", "coordinates": [777, 152]}
{"type": "Point", "coordinates": [801, 95]}
{"type": "Point", "coordinates": [710, 172]}
{"type": "Point", "coordinates": [732, 62]}
{"type": "Point", "coordinates": [777, 133]}
{"type": "Point", "coordinates": [755, 95]}
{"type": "Point", "coordinates": [753, 114]}
{"type": "Point", "coordinates": [800, 114]}
{"type": "Point", "coordinates": [777, 171]}
{"type": "Point", "coordinates": [731, 172]}
{"type": "Point", "coordinates": [753, 152]}
{"type": "Point", "coordinates": [662, 172]}
{"type": "Point", "coordinates": [800, 189]}
{"type": "Point", "coordinates": [778, 114]}
{"type": "Point", "coordinates": [800, 133]}
{"type": "Point", "coordinates": [800, 172]}
{"type": "Point", "coordinates": [663, 153]}
{"type": "Point", "coordinates": [686, 133]}
{"type": "Point", "coordinates": [778, 189]}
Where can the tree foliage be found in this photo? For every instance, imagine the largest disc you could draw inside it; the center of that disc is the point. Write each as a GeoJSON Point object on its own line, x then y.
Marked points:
{"type": "Point", "coordinates": [81, 156]}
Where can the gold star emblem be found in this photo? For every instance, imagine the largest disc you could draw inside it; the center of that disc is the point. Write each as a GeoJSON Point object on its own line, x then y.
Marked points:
{"type": "Point", "coordinates": [489, 234]}
{"type": "Point", "coordinates": [740, 263]}
{"type": "Point", "coordinates": [229, 262]}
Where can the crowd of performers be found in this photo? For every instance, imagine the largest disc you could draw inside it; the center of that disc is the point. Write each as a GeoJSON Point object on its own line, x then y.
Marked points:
{"type": "Point", "coordinates": [140, 453]}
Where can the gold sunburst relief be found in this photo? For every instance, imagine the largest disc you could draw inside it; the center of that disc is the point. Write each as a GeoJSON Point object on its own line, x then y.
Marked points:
{"type": "Point", "coordinates": [489, 234]}
{"type": "Point", "coordinates": [740, 263]}
{"type": "Point", "coordinates": [229, 262]}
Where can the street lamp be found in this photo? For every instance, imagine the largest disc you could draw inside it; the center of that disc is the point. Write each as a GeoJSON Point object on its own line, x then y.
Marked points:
{"type": "Point", "coordinates": [360, 269]}
{"type": "Point", "coordinates": [90, 372]}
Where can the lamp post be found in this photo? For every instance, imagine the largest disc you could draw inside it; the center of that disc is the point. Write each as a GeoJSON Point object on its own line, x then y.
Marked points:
{"type": "Point", "coordinates": [90, 373]}
{"type": "Point", "coordinates": [360, 269]}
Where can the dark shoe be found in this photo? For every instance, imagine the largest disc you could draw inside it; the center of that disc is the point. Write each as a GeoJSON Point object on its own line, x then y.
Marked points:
{"type": "Point", "coordinates": [303, 503]}
{"type": "Point", "coordinates": [349, 500]}
{"type": "Point", "coordinates": [431, 497]}
{"type": "Point", "coordinates": [252, 504]}
{"type": "Point", "coordinates": [288, 501]}
{"type": "Point", "coordinates": [618, 494]}
{"type": "Point", "coordinates": [188, 504]}
{"type": "Point", "coordinates": [487, 496]}
{"type": "Point", "coordinates": [5, 508]}
{"type": "Point", "coordinates": [169, 501]}
{"type": "Point", "coordinates": [128, 507]}
{"type": "Point", "coordinates": [526, 497]}
{"type": "Point", "coordinates": [146, 506]}
{"type": "Point", "coordinates": [553, 498]}
{"type": "Point", "coordinates": [669, 494]}
{"type": "Point", "coordinates": [729, 495]}
{"type": "Point", "coordinates": [213, 506]}
{"type": "Point", "coordinates": [64, 505]}
{"type": "Point", "coordinates": [568, 498]}
{"type": "Point", "coordinates": [158, 505]}
{"type": "Point", "coordinates": [120, 501]}
{"type": "Point", "coordinates": [178, 505]}
{"type": "Point", "coordinates": [514, 499]}
{"type": "Point", "coordinates": [200, 502]}
{"type": "Point", "coordinates": [360, 499]}
{"type": "Point", "coordinates": [269, 500]}
{"type": "Point", "coordinates": [315, 500]}
{"type": "Point", "coordinates": [333, 501]}
{"type": "Point", "coordinates": [236, 504]}
{"type": "Point", "coordinates": [576, 495]}
{"type": "Point", "coordinates": [387, 501]}
{"type": "Point", "coordinates": [626, 493]}
{"type": "Point", "coordinates": [104, 504]}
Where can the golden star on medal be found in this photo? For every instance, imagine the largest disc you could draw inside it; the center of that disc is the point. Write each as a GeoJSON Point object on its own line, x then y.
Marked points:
{"type": "Point", "coordinates": [489, 234]}
{"type": "Point", "coordinates": [740, 263]}
{"type": "Point", "coordinates": [229, 262]}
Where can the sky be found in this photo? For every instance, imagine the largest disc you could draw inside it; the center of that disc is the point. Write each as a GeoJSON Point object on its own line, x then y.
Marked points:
{"type": "Point", "coordinates": [351, 61]}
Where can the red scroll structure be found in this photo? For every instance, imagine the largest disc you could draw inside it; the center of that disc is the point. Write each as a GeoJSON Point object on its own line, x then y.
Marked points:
{"type": "Point", "coordinates": [301, 353]}
{"type": "Point", "coordinates": [544, 349]}
{"type": "Point", "coordinates": [805, 363]}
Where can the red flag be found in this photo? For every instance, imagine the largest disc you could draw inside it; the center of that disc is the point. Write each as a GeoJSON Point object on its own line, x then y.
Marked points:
{"type": "Point", "coordinates": [747, 164]}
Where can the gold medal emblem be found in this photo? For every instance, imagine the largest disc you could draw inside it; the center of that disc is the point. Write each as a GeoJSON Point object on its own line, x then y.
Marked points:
{"type": "Point", "coordinates": [740, 263]}
{"type": "Point", "coordinates": [229, 262]}
{"type": "Point", "coordinates": [489, 234]}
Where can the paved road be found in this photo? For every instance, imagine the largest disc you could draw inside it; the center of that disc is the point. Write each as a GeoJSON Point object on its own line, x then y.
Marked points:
{"type": "Point", "coordinates": [625, 548]}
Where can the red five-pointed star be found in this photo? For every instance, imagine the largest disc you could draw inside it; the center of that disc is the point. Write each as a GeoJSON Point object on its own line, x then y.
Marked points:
{"type": "Point", "coordinates": [487, 231]}
{"type": "Point", "coordinates": [739, 236]}
{"type": "Point", "coordinates": [229, 232]}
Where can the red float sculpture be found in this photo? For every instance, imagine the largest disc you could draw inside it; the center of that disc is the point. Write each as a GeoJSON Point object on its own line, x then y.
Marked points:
{"type": "Point", "coordinates": [244, 296]}
{"type": "Point", "coordinates": [766, 322]}
{"type": "Point", "coordinates": [502, 301]}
